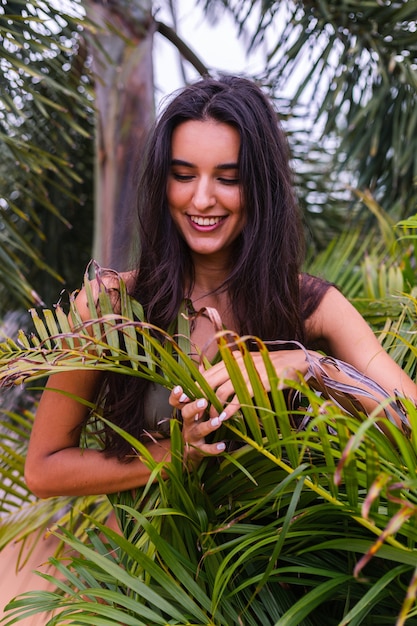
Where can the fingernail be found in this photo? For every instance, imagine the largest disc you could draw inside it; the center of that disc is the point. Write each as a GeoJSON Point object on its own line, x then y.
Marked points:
{"type": "Point", "coordinates": [222, 416]}
{"type": "Point", "coordinates": [177, 389]}
{"type": "Point", "coordinates": [215, 421]}
{"type": "Point", "coordinates": [183, 397]}
{"type": "Point", "coordinates": [221, 446]}
{"type": "Point", "coordinates": [202, 403]}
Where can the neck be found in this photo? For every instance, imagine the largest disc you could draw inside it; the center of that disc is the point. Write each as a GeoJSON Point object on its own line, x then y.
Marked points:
{"type": "Point", "coordinates": [209, 274]}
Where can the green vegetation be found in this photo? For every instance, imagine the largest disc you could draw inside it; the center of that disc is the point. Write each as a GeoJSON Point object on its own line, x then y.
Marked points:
{"type": "Point", "coordinates": [316, 526]}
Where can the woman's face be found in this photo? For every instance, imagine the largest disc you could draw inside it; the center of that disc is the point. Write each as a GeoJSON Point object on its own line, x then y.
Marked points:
{"type": "Point", "coordinates": [204, 191]}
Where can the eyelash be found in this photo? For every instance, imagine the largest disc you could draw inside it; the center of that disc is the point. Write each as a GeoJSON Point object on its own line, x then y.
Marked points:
{"type": "Point", "coordinates": [182, 177]}
{"type": "Point", "coordinates": [186, 177]}
{"type": "Point", "coordinates": [229, 181]}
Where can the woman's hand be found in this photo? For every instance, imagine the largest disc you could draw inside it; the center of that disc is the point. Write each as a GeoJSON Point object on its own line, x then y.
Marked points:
{"type": "Point", "coordinates": [196, 425]}
{"type": "Point", "coordinates": [198, 422]}
{"type": "Point", "coordinates": [288, 364]}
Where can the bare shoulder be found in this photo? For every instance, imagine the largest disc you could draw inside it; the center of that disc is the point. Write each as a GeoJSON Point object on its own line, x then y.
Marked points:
{"type": "Point", "coordinates": [111, 281]}
{"type": "Point", "coordinates": [347, 336]}
{"type": "Point", "coordinates": [342, 332]}
{"type": "Point", "coordinates": [336, 323]}
{"type": "Point", "coordinates": [129, 279]}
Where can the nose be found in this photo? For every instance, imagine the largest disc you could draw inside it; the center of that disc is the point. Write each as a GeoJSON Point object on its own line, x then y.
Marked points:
{"type": "Point", "coordinates": [204, 196]}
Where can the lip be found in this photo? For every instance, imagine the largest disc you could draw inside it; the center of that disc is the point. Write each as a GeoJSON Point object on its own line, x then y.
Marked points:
{"type": "Point", "coordinates": [206, 223]}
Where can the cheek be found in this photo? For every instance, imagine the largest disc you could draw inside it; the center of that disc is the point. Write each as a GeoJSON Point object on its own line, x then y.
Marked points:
{"type": "Point", "coordinates": [238, 202]}
{"type": "Point", "coordinates": [176, 194]}
{"type": "Point", "coordinates": [231, 199]}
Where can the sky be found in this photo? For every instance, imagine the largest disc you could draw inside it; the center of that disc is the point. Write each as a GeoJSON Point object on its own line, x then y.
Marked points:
{"type": "Point", "coordinates": [216, 45]}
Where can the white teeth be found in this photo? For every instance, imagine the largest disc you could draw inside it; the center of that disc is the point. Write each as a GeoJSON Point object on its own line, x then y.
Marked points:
{"type": "Point", "coordinates": [205, 221]}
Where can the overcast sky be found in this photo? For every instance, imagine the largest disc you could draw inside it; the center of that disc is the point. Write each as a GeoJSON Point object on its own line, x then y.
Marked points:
{"type": "Point", "coordinates": [216, 45]}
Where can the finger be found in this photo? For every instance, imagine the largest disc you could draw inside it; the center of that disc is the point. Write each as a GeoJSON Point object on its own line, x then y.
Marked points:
{"type": "Point", "coordinates": [194, 411]}
{"type": "Point", "coordinates": [230, 409]}
{"type": "Point", "coordinates": [195, 428]}
{"type": "Point", "coordinates": [216, 375]}
{"type": "Point", "coordinates": [226, 391]}
{"type": "Point", "coordinates": [204, 449]}
{"type": "Point", "coordinates": [214, 448]}
{"type": "Point", "coordinates": [218, 378]}
{"type": "Point", "coordinates": [212, 424]}
{"type": "Point", "coordinates": [178, 397]}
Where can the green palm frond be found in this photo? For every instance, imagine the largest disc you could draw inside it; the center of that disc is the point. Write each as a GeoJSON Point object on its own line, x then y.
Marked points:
{"type": "Point", "coordinates": [252, 536]}
{"type": "Point", "coordinates": [45, 126]}
{"type": "Point", "coordinates": [36, 51]}
{"type": "Point", "coordinates": [363, 57]}
{"type": "Point", "coordinates": [340, 262]}
{"type": "Point", "coordinates": [344, 77]}
{"type": "Point", "coordinates": [23, 516]}
{"type": "Point", "coordinates": [108, 341]}
{"type": "Point", "coordinates": [377, 274]}
{"type": "Point", "coordinates": [260, 531]}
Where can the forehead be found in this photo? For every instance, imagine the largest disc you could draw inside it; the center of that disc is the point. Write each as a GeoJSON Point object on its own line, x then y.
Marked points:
{"type": "Point", "coordinates": [213, 140]}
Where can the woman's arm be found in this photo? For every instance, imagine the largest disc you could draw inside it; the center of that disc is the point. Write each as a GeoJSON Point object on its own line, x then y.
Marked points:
{"type": "Point", "coordinates": [55, 463]}
{"type": "Point", "coordinates": [348, 337]}
{"type": "Point", "coordinates": [343, 334]}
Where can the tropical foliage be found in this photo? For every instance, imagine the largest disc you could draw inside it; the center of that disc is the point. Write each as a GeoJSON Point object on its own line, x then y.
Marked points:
{"type": "Point", "coordinates": [296, 527]}
{"type": "Point", "coordinates": [352, 105]}
{"type": "Point", "coordinates": [259, 536]}
{"type": "Point", "coordinates": [46, 143]}
{"type": "Point", "coordinates": [350, 117]}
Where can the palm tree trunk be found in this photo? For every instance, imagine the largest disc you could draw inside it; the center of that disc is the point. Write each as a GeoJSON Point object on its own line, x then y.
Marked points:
{"type": "Point", "coordinates": [124, 101]}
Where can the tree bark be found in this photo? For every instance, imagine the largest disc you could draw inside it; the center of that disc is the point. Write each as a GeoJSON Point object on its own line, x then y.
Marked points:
{"type": "Point", "coordinates": [121, 50]}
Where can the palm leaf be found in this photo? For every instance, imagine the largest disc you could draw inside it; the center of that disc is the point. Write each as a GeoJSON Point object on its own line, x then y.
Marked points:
{"type": "Point", "coordinates": [42, 81]}
{"type": "Point", "coordinates": [344, 78]}
{"type": "Point", "coordinates": [218, 544]}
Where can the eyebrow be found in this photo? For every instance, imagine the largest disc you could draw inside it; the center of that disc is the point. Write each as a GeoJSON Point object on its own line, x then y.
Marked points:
{"type": "Point", "coordinates": [221, 166]}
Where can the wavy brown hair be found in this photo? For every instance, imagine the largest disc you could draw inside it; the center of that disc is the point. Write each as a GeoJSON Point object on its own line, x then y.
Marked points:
{"type": "Point", "coordinates": [264, 279]}
{"type": "Point", "coordinates": [263, 283]}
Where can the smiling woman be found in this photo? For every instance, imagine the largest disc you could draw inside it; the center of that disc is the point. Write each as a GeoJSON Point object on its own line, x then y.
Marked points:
{"type": "Point", "coordinates": [219, 228]}
{"type": "Point", "coordinates": [203, 192]}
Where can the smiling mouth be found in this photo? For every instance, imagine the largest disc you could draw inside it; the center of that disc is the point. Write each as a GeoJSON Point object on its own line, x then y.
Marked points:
{"type": "Point", "coordinates": [206, 221]}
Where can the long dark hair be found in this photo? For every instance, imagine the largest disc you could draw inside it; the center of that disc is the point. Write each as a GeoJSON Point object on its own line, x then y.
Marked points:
{"type": "Point", "coordinates": [263, 283]}
{"type": "Point", "coordinates": [264, 280]}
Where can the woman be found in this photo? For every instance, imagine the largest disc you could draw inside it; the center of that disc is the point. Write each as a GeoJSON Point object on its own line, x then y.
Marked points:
{"type": "Point", "coordinates": [220, 227]}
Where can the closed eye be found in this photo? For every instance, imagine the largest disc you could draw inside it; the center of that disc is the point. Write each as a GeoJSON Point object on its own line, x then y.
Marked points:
{"type": "Point", "coordinates": [229, 181]}
{"type": "Point", "coordinates": [182, 177]}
